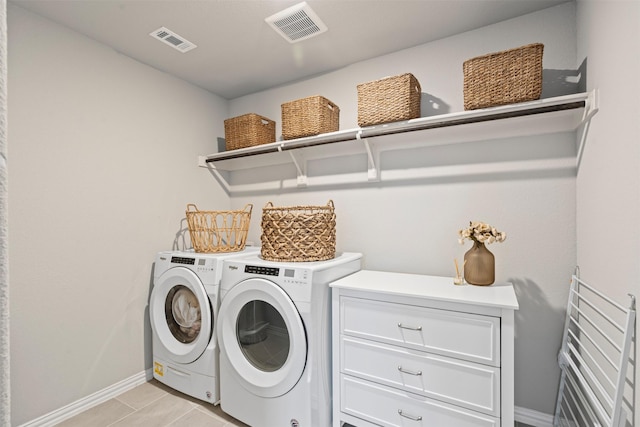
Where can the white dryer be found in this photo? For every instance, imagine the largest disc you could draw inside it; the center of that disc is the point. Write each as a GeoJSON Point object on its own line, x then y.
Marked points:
{"type": "Point", "coordinates": [274, 334]}
{"type": "Point", "coordinates": [183, 310]}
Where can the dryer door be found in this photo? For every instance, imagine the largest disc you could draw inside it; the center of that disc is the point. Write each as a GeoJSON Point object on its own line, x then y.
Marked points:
{"type": "Point", "coordinates": [261, 334]}
{"type": "Point", "coordinates": [181, 315]}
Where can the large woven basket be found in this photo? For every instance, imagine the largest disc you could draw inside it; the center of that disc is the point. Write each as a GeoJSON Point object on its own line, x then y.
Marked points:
{"type": "Point", "coordinates": [248, 130]}
{"type": "Point", "coordinates": [390, 99]}
{"type": "Point", "coordinates": [218, 231]}
{"type": "Point", "coordinates": [298, 233]}
{"type": "Point", "coordinates": [506, 77]}
{"type": "Point", "coordinates": [308, 117]}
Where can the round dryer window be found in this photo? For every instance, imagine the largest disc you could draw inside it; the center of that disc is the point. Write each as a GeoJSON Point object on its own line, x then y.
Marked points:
{"type": "Point", "coordinates": [262, 335]}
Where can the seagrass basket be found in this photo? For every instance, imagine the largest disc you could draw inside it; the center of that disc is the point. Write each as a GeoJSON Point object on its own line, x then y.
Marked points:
{"type": "Point", "coordinates": [298, 233]}
{"type": "Point", "coordinates": [501, 78]}
{"type": "Point", "coordinates": [309, 116]}
{"type": "Point", "coordinates": [248, 130]}
{"type": "Point", "coordinates": [218, 231]}
{"type": "Point", "coordinates": [390, 99]}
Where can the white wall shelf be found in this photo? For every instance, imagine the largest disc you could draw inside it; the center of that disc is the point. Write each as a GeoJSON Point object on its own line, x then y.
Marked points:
{"type": "Point", "coordinates": [552, 115]}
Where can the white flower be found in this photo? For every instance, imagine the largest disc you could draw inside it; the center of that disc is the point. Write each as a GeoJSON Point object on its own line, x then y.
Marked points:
{"type": "Point", "coordinates": [481, 232]}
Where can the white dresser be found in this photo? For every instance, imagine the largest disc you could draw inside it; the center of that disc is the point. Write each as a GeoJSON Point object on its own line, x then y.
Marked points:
{"type": "Point", "coordinates": [414, 350]}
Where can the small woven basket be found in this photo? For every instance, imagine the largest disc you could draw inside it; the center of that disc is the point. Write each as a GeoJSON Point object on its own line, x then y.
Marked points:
{"type": "Point", "coordinates": [218, 231]}
{"type": "Point", "coordinates": [298, 233]}
{"type": "Point", "coordinates": [248, 130]}
{"type": "Point", "coordinates": [309, 116]}
{"type": "Point", "coordinates": [390, 99]}
{"type": "Point", "coordinates": [506, 77]}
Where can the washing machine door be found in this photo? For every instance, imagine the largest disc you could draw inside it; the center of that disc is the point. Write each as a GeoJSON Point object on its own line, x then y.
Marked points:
{"type": "Point", "coordinates": [262, 335]}
{"type": "Point", "coordinates": [181, 315]}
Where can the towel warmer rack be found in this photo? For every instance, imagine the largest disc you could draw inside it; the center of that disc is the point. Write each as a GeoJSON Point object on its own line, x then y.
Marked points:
{"type": "Point", "coordinates": [593, 358]}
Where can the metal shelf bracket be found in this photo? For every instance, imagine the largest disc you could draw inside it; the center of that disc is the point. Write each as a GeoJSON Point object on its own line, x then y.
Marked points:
{"type": "Point", "coordinates": [373, 172]}
{"type": "Point", "coordinates": [301, 167]}
{"type": "Point", "coordinates": [590, 109]}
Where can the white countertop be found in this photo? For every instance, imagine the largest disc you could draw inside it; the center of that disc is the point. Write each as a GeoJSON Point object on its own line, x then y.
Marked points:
{"type": "Point", "coordinates": [499, 295]}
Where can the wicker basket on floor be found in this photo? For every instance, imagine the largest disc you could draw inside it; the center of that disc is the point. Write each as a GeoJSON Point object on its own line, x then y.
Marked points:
{"type": "Point", "coordinates": [298, 233]}
{"type": "Point", "coordinates": [308, 117]}
{"type": "Point", "coordinates": [218, 231]}
{"type": "Point", "coordinates": [390, 99]}
{"type": "Point", "coordinates": [248, 130]}
{"type": "Point", "coordinates": [506, 77]}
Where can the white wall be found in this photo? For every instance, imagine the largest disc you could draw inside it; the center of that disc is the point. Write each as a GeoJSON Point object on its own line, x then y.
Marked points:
{"type": "Point", "coordinates": [608, 185]}
{"type": "Point", "coordinates": [411, 225]}
{"type": "Point", "coordinates": [103, 157]}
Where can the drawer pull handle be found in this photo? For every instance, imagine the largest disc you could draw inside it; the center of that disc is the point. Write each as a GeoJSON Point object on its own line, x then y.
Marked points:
{"type": "Point", "coordinates": [413, 328]}
{"type": "Point", "coordinates": [411, 417]}
{"type": "Point", "coordinates": [406, 371]}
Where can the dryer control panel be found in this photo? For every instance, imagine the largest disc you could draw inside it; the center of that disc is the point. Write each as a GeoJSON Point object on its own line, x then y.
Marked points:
{"type": "Point", "coordinates": [298, 276]}
{"type": "Point", "coordinates": [263, 271]}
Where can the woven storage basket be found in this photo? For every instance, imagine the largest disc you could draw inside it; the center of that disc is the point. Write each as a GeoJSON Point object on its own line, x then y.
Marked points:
{"type": "Point", "coordinates": [298, 233]}
{"type": "Point", "coordinates": [309, 116]}
{"type": "Point", "coordinates": [218, 231]}
{"type": "Point", "coordinates": [248, 130]}
{"type": "Point", "coordinates": [389, 100]}
{"type": "Point", "coordinates": [505, 77]}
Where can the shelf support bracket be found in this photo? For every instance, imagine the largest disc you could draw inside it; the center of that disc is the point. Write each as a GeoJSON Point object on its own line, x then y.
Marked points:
{"type": "Point", "coordinates": [373, 172]}
{"type": "Point", "coordinates": [590, 109]}
{"type": "Point", "coordinates": [301, 168]}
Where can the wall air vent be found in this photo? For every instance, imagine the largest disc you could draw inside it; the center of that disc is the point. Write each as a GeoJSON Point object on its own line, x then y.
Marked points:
{"type": "Point", "coordinates": [297, 23]}
{"type": "Point", "coordinates": [172, 39]}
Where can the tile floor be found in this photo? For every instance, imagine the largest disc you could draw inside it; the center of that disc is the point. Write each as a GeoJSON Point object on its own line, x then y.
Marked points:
{"type": "Point", "coordinates": [154, 405]}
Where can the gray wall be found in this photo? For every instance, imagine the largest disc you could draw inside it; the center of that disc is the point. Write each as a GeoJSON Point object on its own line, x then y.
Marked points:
{"type": "Point", "coordinates": [608, 184]}
{"type": "Point", "coordinates": [5, 404]}
{"type": "Point", "coordinates": [103, 162]}
{"type": "Point", "coordinates": [411, 225]}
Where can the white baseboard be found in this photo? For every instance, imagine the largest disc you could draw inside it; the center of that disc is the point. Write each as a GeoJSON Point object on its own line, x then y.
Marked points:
{"type": "Point", "coordinates": [533, 418]}
{"type": "Point", "coordinates": [90, 401]}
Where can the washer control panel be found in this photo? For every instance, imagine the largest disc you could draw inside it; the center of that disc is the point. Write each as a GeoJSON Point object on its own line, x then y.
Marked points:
{"type": "Point", "coordinates": [204, 267]}
{"type": "Point", "coordinates": [183, 260]}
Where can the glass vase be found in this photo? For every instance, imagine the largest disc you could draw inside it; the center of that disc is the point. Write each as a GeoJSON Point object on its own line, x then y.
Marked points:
{"type": "Point", "coordinates": [480, 265]}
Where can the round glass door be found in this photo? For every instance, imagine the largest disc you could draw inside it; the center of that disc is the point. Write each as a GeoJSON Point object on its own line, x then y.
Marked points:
{"type": "Point", "coordinates": [261, 334]}
{"type": "Point", "coordinates": [181, 314]}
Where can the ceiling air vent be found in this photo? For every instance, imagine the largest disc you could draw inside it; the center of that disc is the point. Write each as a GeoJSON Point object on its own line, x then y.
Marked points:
{"type": "Point", "coordinates": [297, 23]}
{"type": "Point", "coordinates": [172, 39]}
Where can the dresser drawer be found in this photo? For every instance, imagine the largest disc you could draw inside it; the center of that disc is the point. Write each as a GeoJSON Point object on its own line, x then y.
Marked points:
{"type": "Point", "coordinates": [460, 335]}
{"type": "Point", "coordinates": [470, 385]}
{"type": "Point", "coordinates": [389, 407]}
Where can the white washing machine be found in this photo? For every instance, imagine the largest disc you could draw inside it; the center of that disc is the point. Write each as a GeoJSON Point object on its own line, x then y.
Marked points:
{"type": "Point", "coordinates": [183, 310]}
{"type": "Point", "coordinates": [274, 332]}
